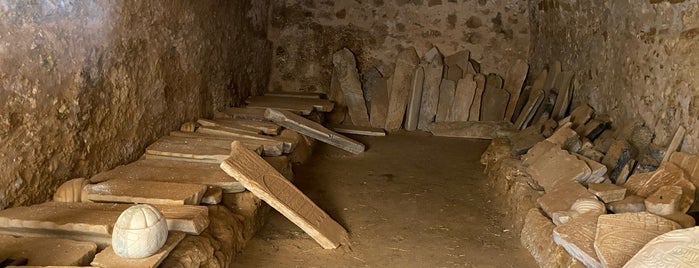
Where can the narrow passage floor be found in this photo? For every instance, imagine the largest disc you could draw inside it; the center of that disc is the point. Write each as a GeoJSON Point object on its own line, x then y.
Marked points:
{"type": "Point", "coordinates": [410, 200]}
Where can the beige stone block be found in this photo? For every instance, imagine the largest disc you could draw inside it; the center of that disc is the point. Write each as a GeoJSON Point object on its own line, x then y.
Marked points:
{"type": "Point", "coordinates": [577, 236]}
{"type": "Point", "coordinates": [690, 164]}
{"type": "Point", "coordinates": [668, 174]}
{"type": "Point", "coordinates": [537, 238]}
{"type": "Point", "coordinates": [558, 165]}
{"type": "Point", "coordinates": [682, 219]}
{"type": "Point", "coordinates": [607, 192]}
{"type": "Point", "coordinates": [664, 201]}
{"type": "Point", "coordinates": [562, 197]}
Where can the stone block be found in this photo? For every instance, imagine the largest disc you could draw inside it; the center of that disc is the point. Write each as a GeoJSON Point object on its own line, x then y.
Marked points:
{"type": "Point", "coordinates": [620, 236]}
{"type": "Point", "coordinates": [667, 174]}
{"type": "Point", "coordinates": [690, 164]}
{"type": "Point", "coordinates": [678, 248]}
{"type": "Point", "coordinates": [607, 192]}
{"type": "Point", "coordinates": [630, 203]}
{"type": "Point", "coordinates": [577, 236]}
{"type": "Point", "coordinates": [580, 115]}
{"type": "Point", "coordinates": [592, 154]}
{"type": "Point", "coordinates": [664, 201]}
{"type": "Point", "coordinates": [558, 165]}
{"type": "Point", "coordinates": [510, 180]}
{"type": "Point", "coordinates": [537, 151]}
{"type": "Point", "coordinates": [619, 153]}
{"type": "Point", "coordinates": [537, 238]}
{"type": "Point", "coordinates": [562, 196]}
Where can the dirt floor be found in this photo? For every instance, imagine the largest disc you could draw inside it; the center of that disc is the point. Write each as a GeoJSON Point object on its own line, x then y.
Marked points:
{"type": "Point", "coordinates": [410, 200]}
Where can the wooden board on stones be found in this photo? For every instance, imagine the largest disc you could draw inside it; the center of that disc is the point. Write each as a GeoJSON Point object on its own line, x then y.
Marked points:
{"type": "Point", "coordinates": [267, 128]}
{"type": "Point", "coordinates": [434, 71]}
{"type": "Point", "coordinates": [313, 130]}
{"type": "Point", "coordinates": [300, 105]}
{"type": "Point", "coordinates": [345, 68]}
{"type": "Point", "coordinates": [247, 113]}
{"type": "Point", "coordinates": [190, 148]}
{"type": "Point", "coordinates": [495, 99]}
{"type": "Point", "coordinates": [172, 171]}
{"type": "Point", "coordinates": [406, 62]}
{"type": "Point", "coordinates": [535, 99]}
{"type": "Point", "coordinates": [144, 192]}
{"type": "Point", "coordinates": [108, 259]}
{"type": "Point", "coordinates": [472, 129]}
{"type": "Point", "coordinates": [266, 183]}
{"type": "Point", "coordinates": [563, 96]}
{"type": "Point", "coordinates": [305, 95]}
{"type": "Point", "coordinates": [463, 99]}
{"type": "Point", "coordinates": [447, 89]}
{"type": "Point", "coordinates": [475, 112]}
{"type": "Point", "coordinates": [514, 81]}
{"type": "Point", "coordinates": [412, 112]}
{"type": "Point", "coordinates": [379, 103]}
{"type": "Point", "coordinates": [364, 131]}
{"type": "Point", "coordinates": [47, 251]}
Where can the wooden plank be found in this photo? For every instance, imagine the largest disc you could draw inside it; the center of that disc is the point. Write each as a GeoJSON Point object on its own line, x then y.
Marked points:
{"type": "Point", "coordinates": [675, 143]}
{"type": "Point", "coordinates": [189, 148]}
{"type": "Point", "coordinates": [514, 80]}
{"type": "Point", "coordinates": [379, 103]}
{"type": "Point", "coordinates": [108, 259]}
{"type": "Point", "coordinates": [430, 92]}
{"type": "Point", "coordinates": [305, 95]}
{"type": "Point", "coordinates": [180, 218]}
{"type": "Point", "coordinates": [266, 183]}
{"type": "Point", "coordinates": [144, 192]}
{"type": "Point", "coordinates": [300, 105]}
{"type": "Point", "coordinates": [172, 171]}
{"type": "Point", "coordinates": [47, 251]}
{"type": "Point", "coordinates": [495, 99]}
{"type": "Point", "coordinates": [475, 113]}
{"type": "Point", "coordinates": [413, 110]}
{"type": "Point", "coordinates": [313, 130]}
{"type": "Point", "coordinates": [563, 96]}
{"type": "Point", "coordinates": [463, 99]}
{"type": "Point", "coordinates": [535, 99]}
{"type": "Point", "coordinates": [271, 146]}
{"type": "Point", "coordinates": [345, 68]}
{"type": "Point", "coordinates": [247, 113]}
{"type": "Point", "coordinates": [447, 89]}
{"type": "Point", "coordinates": [406, 62]}
{"type": "Point", "coordinates": [364, 131]}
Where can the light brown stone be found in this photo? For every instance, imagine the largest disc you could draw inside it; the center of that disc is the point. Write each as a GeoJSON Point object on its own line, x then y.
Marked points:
{"type": "Point", "coordinates": [537, 151]}
{"type": "Point", "coordinates": [47, 251]}
{"type": "Point", "coordinates": [678, 248]}
{"type": "Point", "coordinates": [70, 191]}
{"type": "Point", "coordinates": [447, 89]}
{"type": "Point", "coordinates": [475, 112]}
{"type": "Point", "coordinates": [537, 238]}
{"type": "Point", "coordinates": [690, 164]}
{"type": "Point", "coordinates": [108, 259]}
{"type": "Point", "coordinates": [463, 99]}
{"type": "Point", "coordinates": [597, 169]}
{"type": "Point", "coordinates": [402, 78]}
{"type": "Point", "coordinates": [495, 99]}
{"type": "Point", "coordinates": [664, 201]}
{"type": "Point", "coordinates": [668, 174]}
{"type": "Point", "coordinates": [144, 192]}
{"type": "Point", "coordinates": [577, 236]}
{"type": "Point", "coordinates": [267, 128]}
{"type": "Point", "coordinates": [561, 217]}
{"type": "Point", "coordinates": [620, 152]}
{"type": "Point", "coordinates": [472, 129]}
{"type": "Point", "coordinates": [562, 196]}
{"type": "Point", "coordinates": [412, 112]}
{"type": "Point", "coordinates": [564, 94]}
{"type": "Point", "coordinates": [682, 219]}
{"type": "Point", "coordinates": [607, 192]}
{"type": "Point", "coordinates": [566, 138]}
{"type": "Point", "coordinates": [620, 236]}
{"type": "Point", "coordinates": [514, 80]}
{"type": "Point", "coordinates": [379, 103]}
{"type": "Point", "coordinates": [580, 115]}
{"type": "Point", "coordinates": [453, 72]}
{"type": "Point", "coordinates": [222, 136]}
{"type": "Point", "coordinates": [674, 143]}
{"type": "Point", "coordinates": [430, 93]}
{"type": "Point", "coordinates": [296, 105]}
{"type": "Point", "coordinates": [558, 165]}
{"type": "Point", "coordinates": [630, 203]}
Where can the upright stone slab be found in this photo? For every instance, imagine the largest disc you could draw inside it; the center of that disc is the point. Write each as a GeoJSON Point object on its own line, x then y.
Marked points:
{"type": "Point", "coordinates": [678, 248]}
{"type": "Point", "coordinates": [514, 80]}
{"type": "Point", "coordinates": [667, 174]}
{"type": "Point", "coordinates": [562, 196]}
{"type": "Point", "coordinates": [434, 70]}
{"type": "Point", "coordinates": [563, 96]}
{"type": "Point", "coordinates": [406, 62]}
{"type": "Point", "coordinates": [339, 114]}
{"type": "Point", "coordinates": [463, 98]}
{"type": "Point", "coordinates": [379, 103]}
{"type": "Point", "coordinates": [620, 236]}
{"type": "Point", "coordinates": [577, 236]}
{"type": "Point", "coordinates": [495, 99]}
{"type": "Point", "coordinates": [475, 112]}
{"type": "Point", "coordinates": [690, 164]}
{"type": "Point", "coordinates": [459, 59]}
{"type": "Point", "coordinates": [619, 153]}
{"type": "Point", "coordinates": [369, 79]}
{"type": "Point", "coordinates": [453, 72]}
{"type": "Point", "coordinates": [554, 70]}
{"type": "Point", "coordinates": [527, 113]}
{"type": "Point", "coordinates": [664, 201]}
{"type": "Point", "coordinates": [447, 89]}
{"type": "Point", "coordinates": [345, 67]}
{"type": "Point", "coordinates": [675, 143]}
{"type": "Point", "coordinates": [412, 113]}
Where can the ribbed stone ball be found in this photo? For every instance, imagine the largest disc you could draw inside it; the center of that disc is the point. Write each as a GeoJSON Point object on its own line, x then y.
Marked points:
{"type": "Point", "coordinates": [139, 232]}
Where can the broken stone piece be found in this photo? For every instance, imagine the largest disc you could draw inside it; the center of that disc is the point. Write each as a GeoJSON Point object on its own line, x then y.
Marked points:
{"type": "Point", "coordinates": [587, 205]}
{"type": "Point", "coordinates": [558, 165]}
{"type": "Point", "coordinates": [566, 138]}
{"type": "Point", "coordinates": [690, 164]}
{"type": "Point", "coordinates": [536, 237]}
{"type": "Point", "coordinates": [607, 192]}
{"type": "Point", "coordinates": [580, 115]}
{"type": "Point", "coordinates": [524, 140]}
{"type": "Point", "coordinates": [664, 201]}
{"type": "Point", "coordinates": [537, 151]}
{"type": "Point", "coordinates": [620, 236]}
{"type": "Point", "coordinates": [577, 236]}
{"type": "Point", "coordinates": [678, 248]}
{"type": "Point", "coordinates": [630, 203]}
{"type": "Point", "coordinates": [675, 143]}
{"type": "Point", "coordinates": [625, 172]}
{"type": "Point", "coordinates": [619, 153]}
{"type": "Point", "coordinates": [682, 219]}
{"type": "Point", "coordinates": [561, 217]}
{"type": "Point", "coordinates": [562, 196]}
{"type": "Point", "coordinates": [667, 174]}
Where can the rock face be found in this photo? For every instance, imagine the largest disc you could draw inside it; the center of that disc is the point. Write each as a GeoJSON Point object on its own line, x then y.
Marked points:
{"type": "Point", "coordinates": [677, 248]}
{"type": "Point", "coordinates": [73, 70]}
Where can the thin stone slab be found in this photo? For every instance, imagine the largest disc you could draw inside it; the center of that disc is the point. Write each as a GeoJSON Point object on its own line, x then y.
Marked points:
{"type": "Point", "coordinates": [434, 71]}
{"type": "Point", "coordinates": [144, 192]}
{"type": "Point", "coordinates": [577, 236]}
{"type": "Point", "coordinates": [620, 236]}
{"type": "Point", "coordinates": [172, 171]}
{"type": "Point", "coordinates": [668, 174]}
{"type": "Point", "coordinates": [514, 81]}
{"type": "Point", "coordinates": [630, 203]}
{"type": "Point", "coordinates": [675, 143]}
{"type": "Point", "coordinates": [690, 164]}
{"type": "Point", "coordinates": [664, 201]}
{"type": "Point", "coordinates": [108, 259]}
{"type": "Point", "coordinates": [271, 145]}
{"type": "Point", "coordinates": [537, 151]}
{"type": "Point", "coordinates": [364, 131]}
{"type": "Point", "coordinates": [453, 72]}
{"type": "Point", "coordinates": [607, 192]}
{"type": "Point", "coordinates": [558, 165]}
{"type": "Point", "coordinates": [580, 115]}
{"type": "Point", "coordinates": [266, 128]}
{"type": "Point", "coordinates": [459, 59]}
{"type": "Point", "coordinates": [266, 183]}
{"type": "Point", "coordinates": [678, 248]}
{"type": "Point", "coordinates": [527, 113]}
{"type": "Point", "coordinates": [286, 94]}
{"type": "Point", "coordinates": [406, 62]}
{"type": "Point", "coordinates": [566, 138]}
{"type": "Point", "coordinates": [200, 149]}
{"type": "Point", "coordinates": [522, 141]}
{"type": "Point", "coordinates": [246, 113]}
{"type": "Point", "coordinates": [554, 70]}
{"type": "Point", "coordinates": [463, 99]}
{"type": "Point", "coordinates": [47, 251]}
{"type": "Point", "coordinates": [598, 170]}
{"type": "Point", "coordinates": [379, 103]}
{"type": "Point", "coordinates": [412, 113]}
{"type": "Point", "coordinates": [369, 78]}
{"type": "Point", "coordinates": [495, 99]}
{"type": "Point", "coordinates": [232, 127]}
{"type": "Point", "coordinates": [339, 113]}
{"type": "Point", "coordinates": [562, 196]}
{"type": "Point", "coordinates": [345, 67]}
{"type": "Point", "coordinates": [447, 90]}
{"type": "Point", "coordinates": [563, 96]}
{"type": "Point", "coordinates": [313, 130]}
{"type": "Point", "coordinates": [297, 105]}
{"type": "Point", "coordinates": [475, 112]}
{"type": "Point", "coordinates": [537, 238]}
{"type": "Point", "coordinates": [619, 153]}
{"type": "Point", "coordinates": [472, 129]}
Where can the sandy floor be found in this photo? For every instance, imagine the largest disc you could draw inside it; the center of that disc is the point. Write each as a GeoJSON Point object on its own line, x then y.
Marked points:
{"type": "Point", "coordinates": [410, 200]}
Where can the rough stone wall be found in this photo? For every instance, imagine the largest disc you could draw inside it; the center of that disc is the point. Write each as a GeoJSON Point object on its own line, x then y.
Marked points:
{"type": "Point", "coordinates": [306, 33]}
{"type": "Point", "coordinates": [87, 85]}
{"type": "Point", "coordinates": [635, 60]}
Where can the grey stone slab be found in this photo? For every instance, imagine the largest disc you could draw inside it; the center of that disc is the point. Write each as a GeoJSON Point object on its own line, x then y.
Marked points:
{"type": "Point", "coordinates": [619, 153]}
{"type": "Point", "coordinates": [472, 129]}
{"type": "Point", "coordinates": [434, 71]}
{"type": "Point", "coordinates": [463, 99]}
{"type": "Point", "coordinates": [514, 81]}
{"type": "Point", "coordinates": [412, 112]}
{"type": "Point", "coordinates": [495, 99]}
{"type": "Point", "coordinates": [345, 68]}
{"type": "Point", "coordinates": [398, 95]}
{"type": "Point", "coordinates": [314, 130]}
{"type": "Point", "coordinates": [447, 89]}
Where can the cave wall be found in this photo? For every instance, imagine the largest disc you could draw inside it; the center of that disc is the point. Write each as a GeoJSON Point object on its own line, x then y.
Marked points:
{"type": "Point", "coordinates": [635, 60]}
{"type": "Point", "coordinates": [87, 85]}
{"type": "Point", "coordinates": [306, 33]}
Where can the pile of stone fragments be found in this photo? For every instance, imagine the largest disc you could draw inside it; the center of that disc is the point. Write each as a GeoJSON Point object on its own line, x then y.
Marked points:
{"type": "Point", "coordinates": [583, 194]}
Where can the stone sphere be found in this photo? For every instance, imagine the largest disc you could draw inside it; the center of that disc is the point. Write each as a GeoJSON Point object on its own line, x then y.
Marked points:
{"type": "Point", "coordinates": [139, 232]}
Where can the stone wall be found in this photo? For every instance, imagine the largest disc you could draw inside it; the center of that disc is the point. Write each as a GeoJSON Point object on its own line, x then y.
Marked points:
{"type": "Point", "coordinates": [87, 85]}
{"type": "Point", "coordinates": [635, 60]}
{"type": "Point", "coordinates": [306, 33]}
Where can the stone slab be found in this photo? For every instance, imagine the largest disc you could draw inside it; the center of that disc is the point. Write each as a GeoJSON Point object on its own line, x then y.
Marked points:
{"type": "Point", "coordinates": [678, 248]}
{"type": "Point", "coordinates": [412, 112]}
{"type": "Point", "coordinates": [47, 251]}
{"type": "Point", "coordinates": [619, 153]}
{"type": "Point", "coordinates": [199, 149]}
{"type": "Point", "coordinates": [524, 140]}
{"type": "Point", "coordinates": [562, 196]}
{"type": "Point", "coordinates": [356, 130]}
{"type": "Point", "coordinates": [674, 143]}
{"type": "Point", "coordinates": [230, 126]}
{"type": "Point", "coordinates": [453, 72]}
{"type": "Point", "coordinates": [598, 169]}
{"type": "Point", "coordinates": [527, 113]}
{"type": "Point", "coordinates": [447, 90]}
{"type": "Point", "coordinates": [287, 94]}
{"type": "Point", "coordinates": [558, 165]}
{"type": "Point", "coordinates": [406, 62]}
{"type": "Point", "coordinates": [683, 219]}
{"type": "Point", "coordinates": [246, 113]}
{"type": "Point", "coordinates": [475, 112]}
{"type": "Point", "coordinates": [108, 259]}
{"type": "Point", "coordinates": [630, 203]}
{"type": "Point", "coordinates": [220, 137]}
{"type": "Point", "coordinates": [289, 104]}
{"type": "Point", "coordinates": [212, 196]}
{"type": "Point", "coordinates": [566, 138]}
{"type": "Point", "coordinates": [514, 81]}
{"type": "Point", "coordinates": [620, 236]}
{"type": "Point", "coordinates": [537, 238]}
{"type": "Point", "coordinates": [267, 128]}
{"type": "Point", "coordinates": [668, 174]}
{"type": "Point", "coordinates": [460, 59]}
{"type": "Point", "coordinates": [690, 164]}
{"type": "Point", "coordinates": [580, 115]}
{"type": "Point", "coordinates": [607, 192]}
{"type": "Point", "coordinates": [495, 99]}
{"type": "Point", "coordinates": [537, 151]}
{"type": "Point", "coordinates": [564, 94]}
{"type": "Point", "coordinates": [664, 201]}
{"type": "Point", "coordinates": [313, 130]}
{"type": "Point", "coordinates": [144, 192]}
{"type": "Point", "coordinates": [266, 183]}
{"type": "Point", "coordinates": [577, 236]}
{"type": "Point", "coordinates": [472, 129]}
{"type": "Point", "coordinates": [434, 71]}
{"type": "Point", "coordinates": [463, 99]}
{"type": "Point", "coordinates": [379, 103]}
{"type": "Point", "coordinates": [345, 67]}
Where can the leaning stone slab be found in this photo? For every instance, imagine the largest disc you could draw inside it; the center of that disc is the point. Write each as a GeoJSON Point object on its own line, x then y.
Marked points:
{"type": "Point", "coordinates": [313, 130]}
{"type": "Point", "coordinates": [495, 99]}
{"type": "Point", "coordinates": [537, 239]}
{"type": "Point", "coordinates": [607, 192]}
{"type": "Point", "coordinates": [562, 196]}
{"type": "Point", "coordinates": [412, 113]}
{"type": "Point", "coordinates": [514, 80]}
{"type": "Point", "coordinates": [345, 67]}
{"type": "Point", "coordinates": [667, 174]}
{"type": "Point", "coordinates": [620, 236]}
{"type": "Point", "coordinates": [566, 138]}
{"type": "Point", "coordinates": [678, 248]}
{"type": "Point", "coordinates": [447, 89]}
{"type": "Point", "coordinates": [558, 165]}
{"type": "Point", "coordinates": [664, 201]}
{"type": "Point", "coordinates": [630, 203]}
{"type": "Point", "coordinates": [398, 95]}
{"type": "Point", "coordinates": [430, 91]}
{"type": "Point", "coordinates": [577, 236]}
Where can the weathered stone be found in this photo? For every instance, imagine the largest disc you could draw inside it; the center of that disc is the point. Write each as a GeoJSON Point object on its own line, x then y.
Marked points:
{"type": "Point", "coordinates": [47, 251]}
{"type": "Point", "coordinates": [580, 115]}
{"type": "Point", "coordinates": [564, 94]}
{"type": "Point", "coordinates": [607, 192]}
{"type": "Point", "coordinates": [561, 217]}
{"type": "Point", "coordinates": [588, 205]}
{"type": "Point", "coordinates": [577, 236]}
{"type": "Point", "coordinates": [604, 141]}
{"type": "Point", "coordinates": [431, 88]}
{"type": "Point", "coordinates": [664, 201]}
{"type": "Point", "coordinates": [566, 138]}
{"type": "Point", "coordinates": [626, 172]}
{"type": "Point", "coordinates": [549, 127]}
{"type": "Point", "coordinates": [678, 248]}
{"type": "Point", "coordinates": [675, 143]}
{"type": "Point", "coordinates": [379, 103]}
{"type": "Point", "coordinates": [527, 113]}
{"type": "Point", "coordinates": [498, 149]}
{"type": "Point", "coordinates": [463, 99]}
{"type": "Point", "coordinates": [537, 151]}
{"type": "Point", "coordinates": [598, 170]}
{"type": "Point", "coordinates": [495, 99]}
{"type": "Point", "coordinates": [630, 203]}
{"type": "Point", "coordinates": [558, 165]}
{"type": "Point", "coordinates": [475, 112]}
{"type": "Point", "coordinates": [514, 80]}
{"type": "Point", "coordinates": [562, 196]}
{"type": "Point", "coordinates": [447, 89]}
{"type": "Point", "coordinates": [412, 112]}
{"type": "Point", "coordinates": [345, 67]}
{"type": "Point", "coordinates": [619, 153]}
{"type": "Point", "coordinates": [641, 137]}
{"type": "Point", "coordinates": [682, 219]}
{"type": "Point", "coordinates": [620, 236]}
{"type": "Point", "coordinates": [524, 140]}
{"type": "Point", "coordinates": [647, 163]}
{"type": "Point", "coordinates": [402, 78]}
{"type": "Point", "coordinates": [537, 238]}
{"type": "Point", "coordinates": [690, 164]}
{"type": "Point", "coordinates": [518, 189]}
{"type": "Point", "coordinates": [459, 59]}
{"type": "Point", "coordinates": [472, 129]}
{"type": "Point", "coordinates": [592, 154]}
{"type": "Point", "coordinates": [453, 72]}
{"type": "Point", "coordinates": [668, 174]}
{"type": "Point", "coordinates": [369, 78]}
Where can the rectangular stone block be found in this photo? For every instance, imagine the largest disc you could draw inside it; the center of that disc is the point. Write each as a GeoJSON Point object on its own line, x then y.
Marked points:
{"type": "Point", "coordinates": [562, 196]}
{"type": "Point", "coordinates": [607, 192]}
